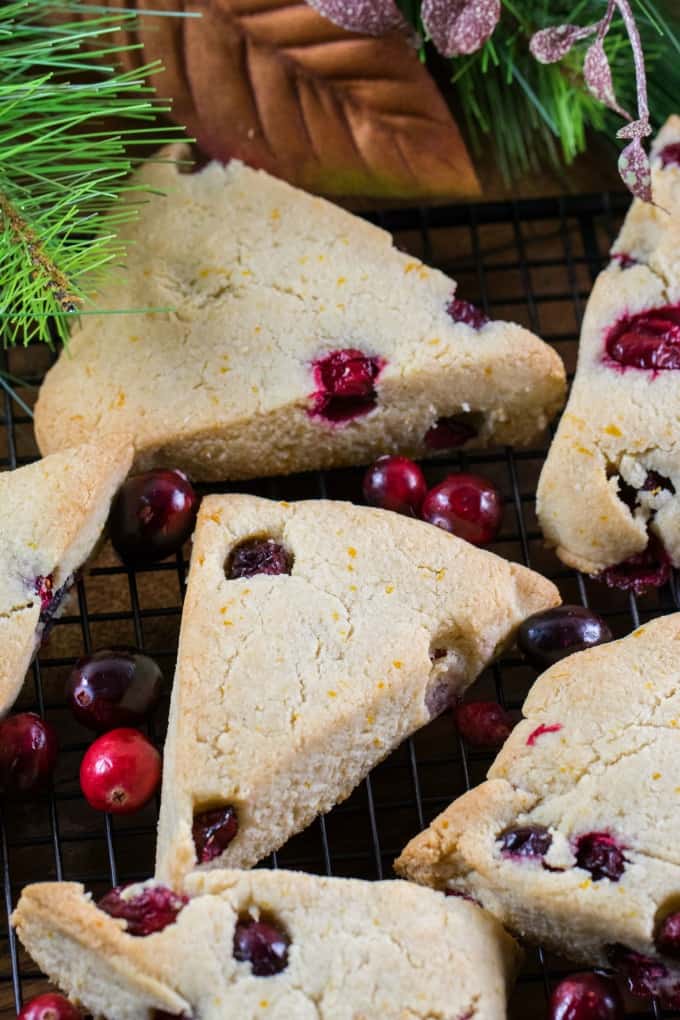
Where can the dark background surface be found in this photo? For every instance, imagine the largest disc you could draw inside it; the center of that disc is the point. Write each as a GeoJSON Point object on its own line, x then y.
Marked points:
{"type": "Point", "coordinates": [533, 261]}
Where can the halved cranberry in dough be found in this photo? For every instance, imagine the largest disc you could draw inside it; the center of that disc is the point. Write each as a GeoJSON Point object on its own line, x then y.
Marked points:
{"type": "Point", "coordinates": [601, 855]}
{"type": "Point", "coordinates": [263, 945]}
{"type": "Point", "coordinates": [345, 382]}
{"type": "Point", "coordinates": [448, 433]}
{"type": "Point", "coordinates": [649, 569]}
{"type": "Point", "coordinates": [213, 831]}
{"type": "Point", "coordinates": [670, 155]}
{"type": "Point", "coordinates": [150, 910]}
{"type": "Point", "coordinates": [526, 841]}
{"type": "Point", "coordinates": [647, 340]}
{"type": "Point", "coordinates": [465, 311]}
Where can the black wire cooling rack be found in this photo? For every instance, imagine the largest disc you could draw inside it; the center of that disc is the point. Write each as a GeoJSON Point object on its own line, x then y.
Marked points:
{"type": "Point", "coordinates": [532, 261]}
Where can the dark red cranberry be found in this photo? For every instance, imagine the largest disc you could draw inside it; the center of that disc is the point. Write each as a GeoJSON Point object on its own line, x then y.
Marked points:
{"type": "Point", "coordinates": [624, 260]}
{"type": "Point", "coordinates": [448, 433]}
{"type": "Point", "coordinates": [213, 831]}
{"type": "Point", "coordinates": [670, 155]}
{"type": "Point", "coordinates": [530, 841]}
{"type": "Point", "coordinates": [586, 997]}
{"type": "Point", "coordinates": [647, 340]}
{"type": "Point", "coordinates": [667, 938]}
{"type": "Point", "coordinates": [258, 556]}
{"type": "Point", "coordinates": [466, 505]}
{"type": "Point", "coordinates": [465, 311]}
{"type": "Point", "coordinates": [113, 687]}
{"type": "Point", "coordinates": [44, 587]}
{"type": "Point", "coordinates": [649, 569]}
{"type": "Point", "coordinates": [600, 854]}
{"type": "Point", "coordinates": [643, 974]}
{"type": "Point", "coordinates": [547, 637]}
{"type": "Point", "coordinates": [395, 483]}
{"type": "Point", "coordinates": [262, 945]}
{"type": "Point", "coordinates": [28, 753]}
{"type": "Point", "coordinates": [152, 909]}
{"type": "Point", "coordinates": [50, 1007]}
{"type": "Point", "coordinates": [120, 772]}
{"type": "Point", "coordinates": [345, 384]}
{"type": "Point", "coordinates": [152, 516]}
{"type": "Point", "coordinates": [483, 723]}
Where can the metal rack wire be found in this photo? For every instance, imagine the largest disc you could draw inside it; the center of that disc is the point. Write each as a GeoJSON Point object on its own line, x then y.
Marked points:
{"type": "Point", "coordinates": [532, 261]}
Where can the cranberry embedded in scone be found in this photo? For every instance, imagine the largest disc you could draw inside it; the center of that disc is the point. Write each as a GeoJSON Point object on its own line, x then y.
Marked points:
{"type": "Point", "coordinates": [44, 587]}
{"type": "Point", "coordinates": [647, 340]}
{"type": "Point", "coordinates": [526, 841]}
{"type": "Point", "coordinates": [150, 910]}
{"type": "Point", "coordinates": [258, 556]}
{"type": "Point", "coordinates": [449, 433]}
{"type": "Point", "coordinates": [670, 155]}
{"type": "Point", "coordinates": [264, 946]}
{"type": "Point", "coordinates": [649, 569]}
{"type": "Point", "coordinates": [345, 381]}
{"type": "Point", "coordinates": [601, 855]}
{"type": "Point", "coordinates": [466, 312]}
{"type": "Point", "coordinates": [213, 831]}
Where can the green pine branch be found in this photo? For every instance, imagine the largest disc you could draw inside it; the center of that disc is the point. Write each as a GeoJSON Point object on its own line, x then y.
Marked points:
{"type": "Point", "coordinates": [62, 163]}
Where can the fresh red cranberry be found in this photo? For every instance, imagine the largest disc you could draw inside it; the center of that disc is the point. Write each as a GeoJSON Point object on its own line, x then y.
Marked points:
{"type": "Point", "coordinates": [483, 723]}
{"type": "Point", "coordinates": [152, 516]}
{"type": "Point", "coordinates": [466, 505]}
{"type": "Point", "coordinates": [213, 831]}
{"type": "Point", "coordinates": [649, 569]}
{"type": "Point", "coordinates": [601, 855]}
{"type": "Point", "coordinates": [549, 636]}
{"type": "Point", "coordinates": [28, 753]}
{"type": "Point", "coordinates": [670, 155]}
{"type": "Point", "coordinates": [345, 384]}
{"type": "Point", "coordinates": [50, 1007]}
{"type": "Point", "coordinates": [647, 340]}
{"type": "Point", "coordinates": [262, 945]}
{"type": "Point", "coordinates": [44, 587]}
{"type": "Point", "coordinates": [449, 433]}
{"type": "Point", "coordinates": [465, 311]}
{"type": "Point", "coordinates": [152, 909]}
{"type": "Point", "coordinates": [644, 975]}
{"type": "Point", "coordinates": [395, 483]}
{"type": "Point", "coordinates": [541, 731]}
{"type": "Point", "coordinates": [120, 772]}
{"type": "Point", "coordinates": [529, 841]}
{"type": "Point", "coordinates": [113, 687]}
{"type": "Point", "coordinates": [624, 260]}
{"type": "Point", "coordinates": [586, 997]}
{"type": "Point", "coordinates": [667, 938]}
{"type": "Point", "coordinates": [258, 556]}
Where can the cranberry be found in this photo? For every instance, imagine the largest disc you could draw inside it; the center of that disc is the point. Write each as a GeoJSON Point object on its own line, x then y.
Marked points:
{"type": "Point", "coordinates": [262, 945]}
{"type": "Point", "coordinates": [50, 1007]}
{"type": "Point", "coordinates": [483, 723]}
{"type": "Point", "coordinates": [541, 731]}
{"type": "Point", "coordinates": [670, 155]}
{"type": "Point", "coordinates": [345, 382]}
{"type": "Point", "coordinates": [213, 831]}
{"type": "Point", "coordinates": [586, 997]}
{"type": "Point", "coordinates": [44, 587]}
{"type": "Point", "coordinates": [120, 772]}
{"type": "Point", "coordinates": [647, 340]}
{"type": "Point", "coordinates": [28, 752]}
{"type": "Point", "coordinates": [465, 311]}
{"type": "Point", "coordinates": [601, 855]}
{"type": "Point", "coordinates": [643, 974]}
{"type": "Point", "coordinates": [258, 556]}
{"type": "Point", "coordinates": [624, 260]}
{"type": "Point", "coordinates": [395, 483]}
{"type": "Point", "coordinates": [667, 938]}
{"type": "Point", "coordinates": [448, 433]}
{"type": "Point", "coordinates": [152, 515]}
{"type": "Point", "coordinates": [549, 636]}
{"type": "Point", "coordinates": [466, 505]}
{"type": "Point", "coordinates": [649, 569]}
{"type": "Point", "coordinates": [526, 841]}
{"type": "Point", "coordinates": [113, 687]}
{"type": "Point", "coordinates": [152, 909]}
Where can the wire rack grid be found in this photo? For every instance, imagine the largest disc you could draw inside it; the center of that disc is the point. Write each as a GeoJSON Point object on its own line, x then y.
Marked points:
{"type": "Point", "coordinates": [532, 261]}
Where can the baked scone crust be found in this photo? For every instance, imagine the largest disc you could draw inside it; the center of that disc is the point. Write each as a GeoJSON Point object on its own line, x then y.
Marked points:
{"type": "Point", "coordinates": [620, 423]}
{"type": "Point", "coordinates": [254, 282]}
{"type": "Point", "coordinates": [597, 752]}
{"type": "Point", "coordinates": [53, 513]}
{"type": "Point", "coordinates": [357, 950]}
{"type": "Point", "coordinates": [290, 688]}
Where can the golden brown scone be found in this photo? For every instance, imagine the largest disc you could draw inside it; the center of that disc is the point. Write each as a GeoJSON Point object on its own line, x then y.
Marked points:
{"type": "Point", "coordinates": [355, 950]}
{"type": "Point", "coordinates": [53, 513]}
{"type": "Point", "coordinates": [613, 470]}
{"type": "Point", "coordinates": [290, 687]}
{"type": "Point", "coordinates": [260, 291]}
{"type": "Point", "coordinates": [572, 841]}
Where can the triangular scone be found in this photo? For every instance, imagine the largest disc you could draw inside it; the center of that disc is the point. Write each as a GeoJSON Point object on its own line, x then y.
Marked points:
{"type": "Point", "coordinates": [295, 336]}
{"type": "Point", "coordinates": [51, 516]}
{"type": "Point", "coordinates": [572, 841]}
{"type": "Point", "coordinates": [289, 688]}
{"type": "Point", "coordinates": [613, 469]}
{"type": "Point", "coordinates": [355, 949]}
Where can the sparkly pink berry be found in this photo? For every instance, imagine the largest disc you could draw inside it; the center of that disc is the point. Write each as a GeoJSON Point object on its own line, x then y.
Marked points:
{"type": "Point", "coordinates": [483, 723]}
{"type": "Point", "coordinates": [395, 483]}
{"type": "Point", "coordinates": [150, 910]}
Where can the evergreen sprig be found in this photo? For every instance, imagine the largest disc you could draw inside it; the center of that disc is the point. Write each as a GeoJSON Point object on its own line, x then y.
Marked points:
{"type": "Point", "coordinates": [64, 158]}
